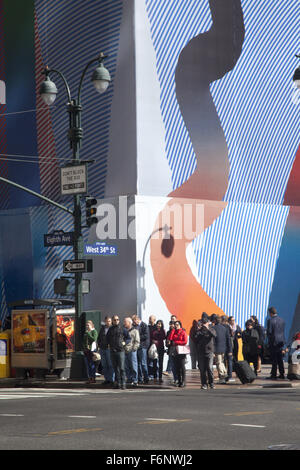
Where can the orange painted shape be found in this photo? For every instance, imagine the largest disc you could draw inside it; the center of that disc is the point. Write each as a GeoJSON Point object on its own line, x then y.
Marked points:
{"type": "Point", "coordinates": [292, 193]}
{"type": "Point", "coordinates": [182, 293]}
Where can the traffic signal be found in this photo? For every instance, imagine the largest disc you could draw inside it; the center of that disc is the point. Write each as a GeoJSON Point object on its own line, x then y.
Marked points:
{"type": "Point", "coordinates": [90, 211]}
{"type": "Point", "coordinates": [61, 286]}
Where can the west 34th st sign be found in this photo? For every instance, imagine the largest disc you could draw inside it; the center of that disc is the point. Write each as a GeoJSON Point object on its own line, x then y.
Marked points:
{"type": "Point", "coordinates": [101, 248]}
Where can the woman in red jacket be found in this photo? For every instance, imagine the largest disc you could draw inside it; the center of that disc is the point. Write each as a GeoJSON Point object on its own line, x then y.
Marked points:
{"type": "Point", "coordinates": [178, 337]}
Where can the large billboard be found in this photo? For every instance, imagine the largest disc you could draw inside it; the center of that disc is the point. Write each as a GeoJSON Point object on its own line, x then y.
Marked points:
{"type": "Point", "coordinates": [201, 107]}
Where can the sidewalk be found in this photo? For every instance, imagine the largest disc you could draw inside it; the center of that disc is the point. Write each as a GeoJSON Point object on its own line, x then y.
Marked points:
{"type": "Point", "coordinates": [192, 382]}
{"type": "Point", "coordinates": [262, 380]}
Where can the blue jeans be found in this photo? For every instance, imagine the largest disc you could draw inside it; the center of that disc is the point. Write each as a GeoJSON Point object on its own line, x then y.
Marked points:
{"type": "Point", "coordinates": [108, 370]}
{"type": "Point", "coordinates": [131, 366]}
{"type": "Point", "coordinates": [142, 364]}
{"type": "Point", "coordinates": [90, 365]}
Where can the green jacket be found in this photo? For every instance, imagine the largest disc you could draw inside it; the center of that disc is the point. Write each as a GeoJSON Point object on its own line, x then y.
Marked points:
{"type": "Point", "coordinates": [89, 338]}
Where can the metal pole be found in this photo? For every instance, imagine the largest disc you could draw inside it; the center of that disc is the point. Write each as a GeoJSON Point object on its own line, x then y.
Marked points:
{"type": "Point", "coordinates": [75, 136]}
{"type": "Point", "coordinates": [19, 186]}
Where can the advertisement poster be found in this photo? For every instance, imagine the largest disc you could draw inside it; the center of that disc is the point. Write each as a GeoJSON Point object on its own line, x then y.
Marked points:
{"type": "Point", "coordinates": [65, 329]}
{"type": "Point", "coordinates": [29, 331]}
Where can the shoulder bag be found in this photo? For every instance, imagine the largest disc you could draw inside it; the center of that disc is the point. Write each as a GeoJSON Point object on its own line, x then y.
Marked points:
{"type": "Point", "coordinates": [185, 349]}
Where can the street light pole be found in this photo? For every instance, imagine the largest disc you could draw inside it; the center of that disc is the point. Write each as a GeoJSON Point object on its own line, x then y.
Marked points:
{"type": "Point", "coordinates": [48, 91]}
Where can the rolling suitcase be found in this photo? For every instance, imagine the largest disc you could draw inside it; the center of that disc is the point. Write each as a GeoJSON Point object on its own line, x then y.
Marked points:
{"type": "Point", "coordinates": [244, 372]}
{"type": "Point", "coordinates": [293, 372]}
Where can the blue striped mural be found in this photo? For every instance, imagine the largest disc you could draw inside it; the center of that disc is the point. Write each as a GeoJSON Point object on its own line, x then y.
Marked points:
{"type": "Point", "coordinates": [3, 303]}
{"type": "Point", "coordinates": [254, 100]}
{"type": "Point", "coordinates": [236, 257]}
{"type": "Point", "coordinates": [71, 34]}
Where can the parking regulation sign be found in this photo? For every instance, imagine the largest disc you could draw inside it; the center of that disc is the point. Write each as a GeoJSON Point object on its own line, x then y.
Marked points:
{"type": "Point", "coordinates": [73, 179]}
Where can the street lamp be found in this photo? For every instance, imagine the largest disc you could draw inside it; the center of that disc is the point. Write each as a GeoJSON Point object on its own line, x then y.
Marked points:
{"type": "Point", "coordinates": [48, 91]}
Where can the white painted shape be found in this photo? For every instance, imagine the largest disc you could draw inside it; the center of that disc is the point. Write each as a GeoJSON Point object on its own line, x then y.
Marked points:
{"type": "Point", "coordinates": [153, 171]}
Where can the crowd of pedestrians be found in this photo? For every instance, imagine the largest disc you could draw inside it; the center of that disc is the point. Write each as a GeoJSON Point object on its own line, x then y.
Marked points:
{"type": "Point", "coordinates": [133, 352]}
{"type": "Point", "coordinates": [125, 351]}
{"type": "Point", "coordinates": [220, 341]}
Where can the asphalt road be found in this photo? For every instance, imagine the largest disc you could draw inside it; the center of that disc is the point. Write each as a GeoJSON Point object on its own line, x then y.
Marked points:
{"type": "Point", "coordinates": [151, 420]}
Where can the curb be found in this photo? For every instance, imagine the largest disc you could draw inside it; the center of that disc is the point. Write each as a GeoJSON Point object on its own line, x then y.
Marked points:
{"type": "Point", "coordinates": [67, 384]}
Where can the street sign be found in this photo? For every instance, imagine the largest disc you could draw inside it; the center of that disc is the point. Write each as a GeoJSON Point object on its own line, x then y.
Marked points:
{"type": "Point", "coordinates": [78, 266]}
{"type": "Point", "coordinates": [59, 238]}
{"type": "Point", "coordinates": [73, 179]}
{"type": "Point", "coordinates": [101, 248]}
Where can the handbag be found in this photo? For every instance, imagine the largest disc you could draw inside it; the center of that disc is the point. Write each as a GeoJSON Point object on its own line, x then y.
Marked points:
{"type": "Point", "coordinates": [185, 349]}
{"type": "Point", "coordinates": [96, 356]}
{"type": "Point", "coordinates": [152, 352]}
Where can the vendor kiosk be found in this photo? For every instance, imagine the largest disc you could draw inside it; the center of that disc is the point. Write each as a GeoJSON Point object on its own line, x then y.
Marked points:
{"type": "Point", "coordinates": [42, 336]}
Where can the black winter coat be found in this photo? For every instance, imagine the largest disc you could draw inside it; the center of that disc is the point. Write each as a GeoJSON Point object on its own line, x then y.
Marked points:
{"type": "Point", "coordinates": [102, 338]}
{"type": "Point", "coordinates": [250, 342]}
{"type": "Point", "coordinates": [204, 339]}
{"type": "Point", "coordinates": [115, 338]}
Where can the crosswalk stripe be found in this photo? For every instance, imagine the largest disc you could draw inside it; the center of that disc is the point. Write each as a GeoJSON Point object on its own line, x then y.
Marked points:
{"type": "Point", "coordinates": [22, 394]}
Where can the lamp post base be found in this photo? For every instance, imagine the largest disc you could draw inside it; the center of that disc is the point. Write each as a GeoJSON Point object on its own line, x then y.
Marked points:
{"type": "Point", "coordinates": [78, 366]}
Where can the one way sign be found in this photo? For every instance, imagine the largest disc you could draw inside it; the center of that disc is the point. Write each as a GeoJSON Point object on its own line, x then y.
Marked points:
{"type": "Point", "coordinates": [78, 266]}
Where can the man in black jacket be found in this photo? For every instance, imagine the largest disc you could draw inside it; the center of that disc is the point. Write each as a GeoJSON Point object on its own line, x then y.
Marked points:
{"type": "Point", "coordinates": [204, 339]}
{"type": "Point", "coordinates": [116, 343]}
{"type": "Point", "coordinates": [142, 351]}
{"type": "Point", "coordinates": [276, 340]}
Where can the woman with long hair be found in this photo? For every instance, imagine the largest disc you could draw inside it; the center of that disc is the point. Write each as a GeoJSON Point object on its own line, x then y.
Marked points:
{"type": "Point", "coordinates": [90, 345]}
{"type": "Point", "coordinates": [262, 334]}
{"type": "Point", "coordinates": [158, 337]}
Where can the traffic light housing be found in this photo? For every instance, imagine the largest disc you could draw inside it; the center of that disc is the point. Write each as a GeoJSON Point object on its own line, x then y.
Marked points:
{"type": "Point", "coordinates": [91, 211]}
{"type": "Point", "coordinates": [61, 286]}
